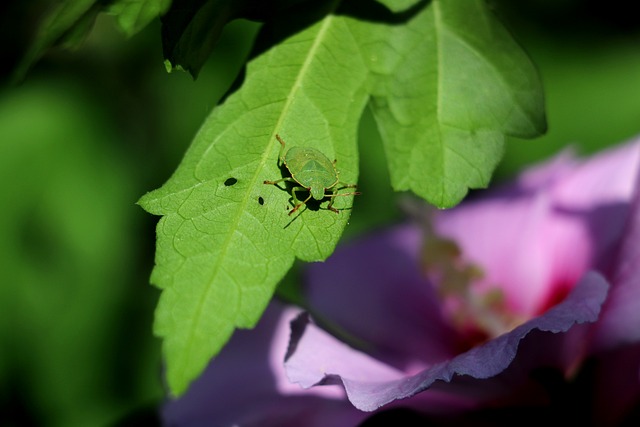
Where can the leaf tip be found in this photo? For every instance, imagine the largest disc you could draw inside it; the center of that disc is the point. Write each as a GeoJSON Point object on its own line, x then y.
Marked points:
{"type": "Point", "coordinates": [168, 66]}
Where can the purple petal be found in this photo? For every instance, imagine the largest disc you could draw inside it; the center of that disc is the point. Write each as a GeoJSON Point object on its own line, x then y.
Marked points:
{"type": "Point", "coordinates": [246, 386]}
{"type": "Point", "coordinates": [620, 323]}
{"type": "Point", "coordinates": [380, 281]}
{"type": "Point", "coordinates": [534, 239]}
{"type": "Point", "coordinates": [516, 241]}
{"type": "Point", "coordinates": [602, 189]}
{"type": "Point", "coordinates": [318, 358]}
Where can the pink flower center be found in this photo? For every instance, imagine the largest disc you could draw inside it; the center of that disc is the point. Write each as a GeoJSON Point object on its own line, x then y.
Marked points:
{"type": "Point", "coordinates": [477, 316]}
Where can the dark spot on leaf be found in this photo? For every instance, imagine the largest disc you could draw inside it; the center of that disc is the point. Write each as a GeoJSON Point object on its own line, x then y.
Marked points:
{"type": "Point", "coordinates": [230, 181]}
{"type": "Point", "coordinates": [260, 200]}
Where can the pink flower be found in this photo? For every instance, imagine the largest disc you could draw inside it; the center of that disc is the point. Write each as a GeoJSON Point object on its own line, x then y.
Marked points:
{"type": "Point", "coordinates": [246, 386]}
{"type": "Point", "coordinates": [492, 304]}
{"type": "Point", "coordinates": [502, 286]}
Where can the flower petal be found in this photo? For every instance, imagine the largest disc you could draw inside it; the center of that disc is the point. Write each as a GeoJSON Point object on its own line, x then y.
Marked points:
{"type": "Point", "coordinates": [620, 323]}
{"type": "Point", "coordinates": [370, 385]}
{"type": "Point", "coordinates": [380, 280]}
{"type": "Point", "coordinates": [535, 238]}
{"type": "Point", "coordinates": [246, 386]}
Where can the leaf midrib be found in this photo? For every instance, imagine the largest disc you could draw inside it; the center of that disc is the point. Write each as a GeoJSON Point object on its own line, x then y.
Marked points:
{"type": "Point", "coordinates": [437, 25]}
{"type": "Point", "coordinates": [296, 85]}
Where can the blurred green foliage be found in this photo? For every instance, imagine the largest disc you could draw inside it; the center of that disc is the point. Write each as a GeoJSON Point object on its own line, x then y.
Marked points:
{"type": "Point", "coordinates": [88, 132]}
{"type": "Point", "coordinates": [588, 57]}
{"type": "Point", "coordinates": [69, 263]}
{"type": "Point", "coordinates": [83, 137]}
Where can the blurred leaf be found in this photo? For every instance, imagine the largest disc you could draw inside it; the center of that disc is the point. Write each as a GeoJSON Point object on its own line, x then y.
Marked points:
{"type": "Point", "coordinates": [191, 28]}
{"type": "Point", "coordinates": [134, 15]}
{"type": "Point", "coordinates": [590, 111]}
{"type": "Point", "coordinates": [67, 24]}
{"type": "Point", "coordinates": [64, 23]}
{"type": "Point", "coordinates": [225, 238]}
{"type": "Point", "coordinates": [66, 256]}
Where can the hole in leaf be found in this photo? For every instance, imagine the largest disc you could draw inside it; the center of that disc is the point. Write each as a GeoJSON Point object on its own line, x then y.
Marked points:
{"type": "Point", "coordinates": [260, 200]}
{"type": "Point", "coordinates": [230, 181]}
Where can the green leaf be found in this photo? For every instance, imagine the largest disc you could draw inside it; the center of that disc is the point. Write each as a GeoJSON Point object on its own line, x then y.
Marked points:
{"type": "Point", "coordinates": [191, 28]}
{"type": "Point", "coordinates": [134, 15]}
{"type": "Point", "coordinates": [224, 244]}
{"type": "Point", "coordinates": [450, 85]}
{"type": "Point", "coordinates": [66, 23]}
{"type": "Point", "coordinates": [225, 239]}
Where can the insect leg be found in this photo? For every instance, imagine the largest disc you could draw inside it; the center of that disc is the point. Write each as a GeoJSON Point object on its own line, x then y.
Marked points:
{"type": "Point", "coordinates": [334, 195]}
{"type": "Point", "coordinates": [280, 154]}
{"type": "Point", "coordinates": [288, 179]}
{"type": "Point", "coordinates": [343, 185]}
{"type": "Point", "coordinates": [297, 201]}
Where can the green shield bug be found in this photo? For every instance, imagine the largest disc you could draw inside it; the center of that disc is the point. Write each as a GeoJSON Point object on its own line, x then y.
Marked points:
{"type": "Point", "coordinates": [313, 172]}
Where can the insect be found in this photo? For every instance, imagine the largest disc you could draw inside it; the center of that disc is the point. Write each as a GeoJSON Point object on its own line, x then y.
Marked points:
{"type": "Point", "coordinates": [313, 172]}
